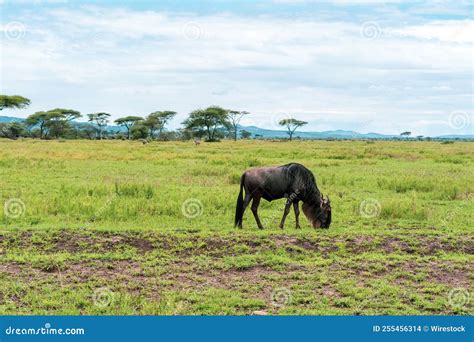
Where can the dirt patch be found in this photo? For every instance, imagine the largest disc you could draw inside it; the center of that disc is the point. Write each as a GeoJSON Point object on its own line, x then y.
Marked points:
{"type": "Point", "coordinates": [74, 242]}
{"type": "Point", "coordinates": [415, 244]}
{"type": "Point", "coordinates": [141, 244]}
{"type": "Point", "coordinates": [329, 291]}
{"type": "Point", "coordinates": [283, 240]}
{"type": "Point", "coordinates": [438, 272]}
{"type": "Point", "coordinates": [308, 245]}
{"type": "Point", "coordinates": [218, 246]}
{"type": "Point", "coordinates": [185, 276]}
{"type": "Point", "coordinates": [74, 272]}
{"type": "Point", "coordinates": [450, 274]}
{"type": "Point", "coordinates": [12, 269]}
{"type": "Point", "coordinates": [233, 279]}
{"type": "Point", "coordinates": [181, 276]}
{"type": "Point", "coordinates": [323, 246]}
{"type": "Point", "coordinates": [366, 244]}
{"type": "Point", "coordinates": [123, 269]}
{"type": "Point", "coordinates": [70, 242]}
{"type": "Point", "coordinates": [394, 245]}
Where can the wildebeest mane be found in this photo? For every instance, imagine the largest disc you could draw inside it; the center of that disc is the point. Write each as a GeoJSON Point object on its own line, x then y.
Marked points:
{"type": "Point", "coordinates": [306, 183]}
{"type": "Point", "coordinates": [307, 190]}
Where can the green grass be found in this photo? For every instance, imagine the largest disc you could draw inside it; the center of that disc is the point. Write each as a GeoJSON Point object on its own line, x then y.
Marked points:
{"type": "Point", "coordinates": [102, 229]}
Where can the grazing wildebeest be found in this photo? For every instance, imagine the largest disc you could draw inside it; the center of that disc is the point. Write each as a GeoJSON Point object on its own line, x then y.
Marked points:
{"type": "Point", "coordinates": [293, 182]}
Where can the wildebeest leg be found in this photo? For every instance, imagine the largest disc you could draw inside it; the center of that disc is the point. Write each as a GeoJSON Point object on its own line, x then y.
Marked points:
{"type": "Point", "coordinates": [247, 200]}
{"type": "Point", "coordinates": [297, 214]}
{"type": "Point", "coordinates": [255, 204]}
{"type": "Point", "coordinates": [285, 213]}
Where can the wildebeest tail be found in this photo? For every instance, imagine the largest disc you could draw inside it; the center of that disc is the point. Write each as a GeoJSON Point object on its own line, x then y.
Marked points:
{"type": "Point", "coordinates": [240, 204]}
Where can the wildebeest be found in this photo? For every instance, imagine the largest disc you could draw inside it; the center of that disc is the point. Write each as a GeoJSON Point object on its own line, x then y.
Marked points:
{"type": "Point", "coordinates": [291, 181]}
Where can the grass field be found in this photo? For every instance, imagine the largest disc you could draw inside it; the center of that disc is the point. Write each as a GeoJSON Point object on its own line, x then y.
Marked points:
{"type": "Point", "coordinates": [117, 227]}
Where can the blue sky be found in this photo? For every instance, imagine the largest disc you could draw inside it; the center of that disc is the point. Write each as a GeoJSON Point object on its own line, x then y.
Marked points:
{"type": "Point", "coordinates": [367, 66]}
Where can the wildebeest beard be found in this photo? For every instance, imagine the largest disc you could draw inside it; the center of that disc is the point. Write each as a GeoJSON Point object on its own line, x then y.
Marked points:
{"type": "Point", "coordinates": [319, 214]}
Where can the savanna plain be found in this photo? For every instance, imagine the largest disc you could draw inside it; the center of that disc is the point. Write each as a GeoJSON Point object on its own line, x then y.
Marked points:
{"type": "Point", "coordinates": [121, 227]}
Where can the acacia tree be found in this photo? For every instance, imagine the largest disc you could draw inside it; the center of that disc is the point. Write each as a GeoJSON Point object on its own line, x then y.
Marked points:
{"type": "Point", "coordinates": [208, 122]}
{"type": "Point", "coordinates": [153, 123]}
{"type": "Point", "coordinates": [59, 119]}
{"type": "Point", "coordinates": [245, 134]}
{"type": "Point", "coordinates": [13, 101]}
{"type": "Point", "coordinates": [40, 120]}
{"type": "Point", "coordinates": [66, 114]}
{"type": "Point", "coordinates": [405, 134]}
{"type": "Point", "coordinates": [55, 124]}
{"type": "Point", "coordinates": [86, 130]}
{"type": "Point", "coordinates": [128, 122]}
{"type": "Point", "coordinates": [12, 130]}
{"type": "Point", "coordinates": [100, 120]}
{"type": "Point", "coordinates": [157, 121]}
{"type": "Point", "coordinates": [292, 125]}
{"type": "Point", "coordinates": [234, 117]}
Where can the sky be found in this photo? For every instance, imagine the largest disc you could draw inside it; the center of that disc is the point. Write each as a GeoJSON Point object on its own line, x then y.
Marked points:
{"type": "Point", "coordinates": [367, 66]}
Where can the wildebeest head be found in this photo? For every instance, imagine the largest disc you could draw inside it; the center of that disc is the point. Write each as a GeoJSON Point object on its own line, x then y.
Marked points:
{"type": "Point", "coordinates": [319, 213]}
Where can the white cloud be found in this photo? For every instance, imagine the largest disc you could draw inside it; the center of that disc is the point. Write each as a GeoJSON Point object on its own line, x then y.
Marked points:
{"type": "Point", "coordinates": [454, 31]}
{"type": "Point", "coordinates": [325, 72]}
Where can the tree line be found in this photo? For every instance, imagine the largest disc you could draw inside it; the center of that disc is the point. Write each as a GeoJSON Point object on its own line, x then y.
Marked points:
{"type": "Point", "coordinates": [212, 124]}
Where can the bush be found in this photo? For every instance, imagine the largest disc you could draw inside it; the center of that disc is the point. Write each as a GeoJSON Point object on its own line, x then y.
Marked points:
{"type": "Point", "coordinates": [13, 130]}
{"type": "Point", "coordinates": [139, 131]}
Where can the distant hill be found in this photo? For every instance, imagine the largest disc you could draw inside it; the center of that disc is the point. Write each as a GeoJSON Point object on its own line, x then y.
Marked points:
{"type": "Point", "coordinates": [275, 134]}
{"type": "Point", "coordinates": [454, 136]}
{"type": "Point", "coordinates": [6, 119]}
{"type": "Point", "coordinates": [337, 134]}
